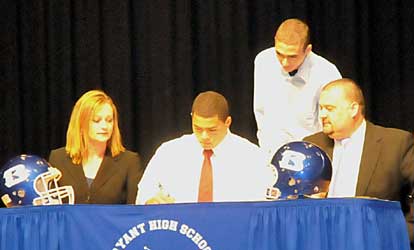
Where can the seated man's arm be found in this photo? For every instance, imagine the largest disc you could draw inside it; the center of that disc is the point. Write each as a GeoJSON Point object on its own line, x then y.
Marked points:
{"type": "Point", "coordinates": [150, 188]}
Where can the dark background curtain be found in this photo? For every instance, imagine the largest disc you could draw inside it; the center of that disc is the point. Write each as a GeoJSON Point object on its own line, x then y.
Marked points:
{"type": "Point", "coordinates": [152, 57]}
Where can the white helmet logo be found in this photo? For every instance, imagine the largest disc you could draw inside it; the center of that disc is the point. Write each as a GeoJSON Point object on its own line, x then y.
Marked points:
{"type": "Point", "coordinates": [15, 175]}
{"type": "Point", "coordinates": [292, 160]}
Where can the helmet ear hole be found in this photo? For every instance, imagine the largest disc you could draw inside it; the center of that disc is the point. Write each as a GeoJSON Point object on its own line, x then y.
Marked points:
{"type": "Point", "coordinates": [39, 186]}
{"type": "Point", "coordinates": [302, 168]}
{"type": "Point", "coordinates": [29, 180]}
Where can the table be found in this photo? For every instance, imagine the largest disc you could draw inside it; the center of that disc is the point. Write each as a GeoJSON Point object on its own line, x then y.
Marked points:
{"type": "Point", "coordinates": [290, 224]}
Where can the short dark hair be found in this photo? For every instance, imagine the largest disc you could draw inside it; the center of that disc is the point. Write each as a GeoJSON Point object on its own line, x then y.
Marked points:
{"type": "Point", "coordinates": [293, 30]}
{"type": "Point", "coordinates": [210, 104]}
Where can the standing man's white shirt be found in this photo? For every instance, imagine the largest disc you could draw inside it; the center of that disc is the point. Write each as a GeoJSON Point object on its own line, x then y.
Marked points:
{"type": "Point", "coordinates": [286, 107]}
{"type": "Point", "coordinates": [345, 164]}
{"type": "Point", "coordinates": [239, 171]}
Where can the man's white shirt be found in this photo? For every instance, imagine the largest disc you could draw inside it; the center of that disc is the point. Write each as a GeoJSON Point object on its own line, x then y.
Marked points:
{"type": "Point", "coordinates": [345, 164]}
{"type": "Point", "coordinates": [239, 171]}
{"type": "Point", "coordinates": [286, 108]}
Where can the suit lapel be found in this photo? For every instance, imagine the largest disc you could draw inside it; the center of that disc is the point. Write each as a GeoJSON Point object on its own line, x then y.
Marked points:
{"type": "Point", "coordinates": [106, 170]}
{"type": "Point", "coordinates": [76, 171]}
{"type": "Point", "coordinates": [329, 147]}
{"type": "Point", "coordinates": [325, 143]}
{"type": "Point", "coordinates": [369, 159]}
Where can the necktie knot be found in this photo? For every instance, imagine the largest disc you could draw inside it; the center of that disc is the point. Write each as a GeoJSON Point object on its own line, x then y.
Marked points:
{"type": "Point", "coordinates": [208, 153]}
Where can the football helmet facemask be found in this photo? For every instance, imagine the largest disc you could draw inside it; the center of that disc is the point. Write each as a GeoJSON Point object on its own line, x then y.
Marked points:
{"type": "Point", "coordinates": [30, 180]}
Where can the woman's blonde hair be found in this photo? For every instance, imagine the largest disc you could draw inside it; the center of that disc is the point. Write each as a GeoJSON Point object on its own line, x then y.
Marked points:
{"type": "Point", "coordinates": [77, 136]}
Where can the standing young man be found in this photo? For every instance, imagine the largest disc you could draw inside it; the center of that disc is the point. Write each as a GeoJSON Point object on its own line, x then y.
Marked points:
{"type": "Point", "coordinates": [288, 79]}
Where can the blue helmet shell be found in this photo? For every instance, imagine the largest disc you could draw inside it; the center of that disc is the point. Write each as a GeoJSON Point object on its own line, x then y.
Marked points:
{"type": "Point", "coordinates": [302, 169]}
{"type": "Point", "coordinates": [30, 180]}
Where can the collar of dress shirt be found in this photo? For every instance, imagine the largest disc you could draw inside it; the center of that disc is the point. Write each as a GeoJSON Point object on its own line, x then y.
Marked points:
{"type": "Point", "coordinates": [219, 148]}
{"type": "Point", "coordinates": [223, 144]}
{"type": "Point", "coordinates": [356, 136]}
{"type": "Point", "coordinates": [303, 70]}
{"type": "Point", "coordinates": [360, 132]}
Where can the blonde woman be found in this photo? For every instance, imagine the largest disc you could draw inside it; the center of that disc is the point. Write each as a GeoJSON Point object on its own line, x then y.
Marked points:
{"type": "Point", "coordinates": [94, 161]}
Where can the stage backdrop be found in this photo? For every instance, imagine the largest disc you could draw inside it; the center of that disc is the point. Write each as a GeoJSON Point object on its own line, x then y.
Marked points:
{"type": "Point", "coordinates": [154, 56]}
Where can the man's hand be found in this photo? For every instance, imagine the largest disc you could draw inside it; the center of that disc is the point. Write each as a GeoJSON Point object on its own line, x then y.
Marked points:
{"type": "Point", "coordinates": [160, 199]}
{"type": "Point", "coordinates": [320, 195]}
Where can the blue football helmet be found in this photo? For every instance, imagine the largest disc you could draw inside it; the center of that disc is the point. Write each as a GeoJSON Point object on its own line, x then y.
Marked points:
{"type": "Point", "coordinates": [300, 169]}
{"type": "Point", "coordinates": [30, 180]}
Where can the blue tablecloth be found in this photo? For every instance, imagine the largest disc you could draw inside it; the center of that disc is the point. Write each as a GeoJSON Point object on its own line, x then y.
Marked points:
{"type": "Point", "coordinates": [296, 224]}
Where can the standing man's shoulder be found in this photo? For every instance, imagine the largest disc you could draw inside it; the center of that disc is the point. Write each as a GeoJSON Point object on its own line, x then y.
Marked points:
{"type": "Point", "coordinates": [266, 54]}
{"type": "Point", "coordinates": [323, 66]}
{"type": "Point", "coordinates": [320, 59]}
